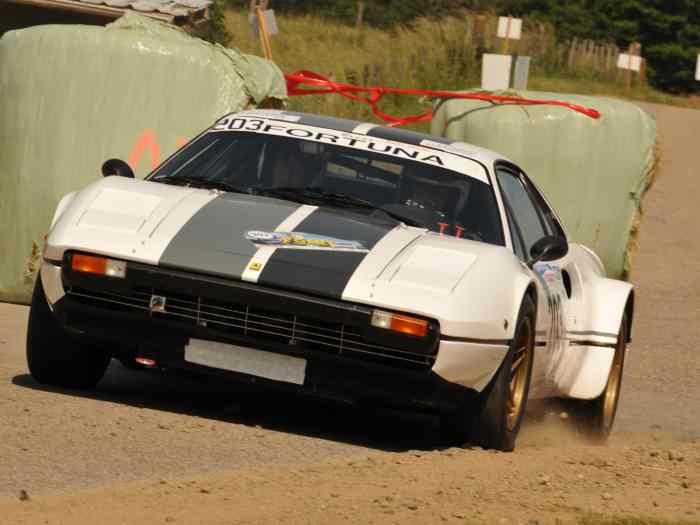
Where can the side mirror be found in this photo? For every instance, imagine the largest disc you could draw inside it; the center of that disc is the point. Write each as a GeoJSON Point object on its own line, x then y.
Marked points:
{"type": "Point", "coordinates": [117, 167]}
{"type": "Point", "coordinates": [548, 248]}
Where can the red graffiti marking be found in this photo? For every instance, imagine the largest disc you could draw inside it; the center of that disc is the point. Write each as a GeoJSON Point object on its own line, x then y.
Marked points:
{"type": "Point", "coordinates": [147, 140]}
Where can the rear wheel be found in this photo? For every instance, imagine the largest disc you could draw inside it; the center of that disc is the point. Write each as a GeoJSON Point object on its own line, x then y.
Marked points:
{"type": "Point", "coordinates": [595, 418]}
{"type": "Point", "coordinates": [56, 358]}
{"type": "Point", "coordinates": [493, 420]}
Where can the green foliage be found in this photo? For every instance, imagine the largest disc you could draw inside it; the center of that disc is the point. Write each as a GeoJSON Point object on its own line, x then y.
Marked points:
{"type": "Point", "coordinates": [669, 30]}
{"type": "Point", "coordinates": [434, 54]}
{"type": "Point", "coordinates": [673, 67]}
{"type": "Point", "coordinates": [214, 29]}
{"type": "Point", "coordinates": [378, 13]}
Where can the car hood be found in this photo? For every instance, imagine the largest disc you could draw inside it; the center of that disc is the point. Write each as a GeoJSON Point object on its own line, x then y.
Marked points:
{"type": "Point", "coordinates": [273, 242]}
{"type": "Point", "coordinates": [333, 253]}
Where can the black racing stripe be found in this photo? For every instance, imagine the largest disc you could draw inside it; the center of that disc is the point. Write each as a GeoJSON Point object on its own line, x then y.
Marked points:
{"type": "Point", "coordinates": [322, 272]}
{"type": "Point", "coordinates": [316, 272]}
{"type": "Point", "coordinates": [401, 135]}
{"type": "Point", "coordinates": [344, 224]}
{"type": "Point", "coordinates": [591, 332]}
{"type": "Point", "coordinates": [213, 239]}
{"type": "Point", "coordinates": [493, 342]}
{"type": "Point", "coordinates": [574, 342]}
{"type": "Point", "coordinates": [338, 124]}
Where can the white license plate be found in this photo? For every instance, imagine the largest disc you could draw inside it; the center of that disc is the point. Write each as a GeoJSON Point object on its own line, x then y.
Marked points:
{"type": "Point", "coordinates": [246, 361]}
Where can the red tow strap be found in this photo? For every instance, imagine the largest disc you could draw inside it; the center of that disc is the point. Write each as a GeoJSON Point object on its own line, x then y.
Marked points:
{"type": "Point", "coordinates": [320, 85]}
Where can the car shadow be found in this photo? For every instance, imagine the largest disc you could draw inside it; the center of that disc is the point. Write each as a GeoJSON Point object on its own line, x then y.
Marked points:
{"type": "Point", "coordinates": [371, 427]}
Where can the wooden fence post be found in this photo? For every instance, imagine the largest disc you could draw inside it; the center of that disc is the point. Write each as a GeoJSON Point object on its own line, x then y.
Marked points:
{"type": "Point", "coordinates": [572, 53]}
{"type": "Point", "coordinates": [506, 40]}
{"type": "Point", "coordinates": [262, 31]}
{"type": "Point", "coordinates": [360, 15]}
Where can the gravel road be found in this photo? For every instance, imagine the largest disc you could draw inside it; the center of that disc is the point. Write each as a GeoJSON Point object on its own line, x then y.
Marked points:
{"type": "Point", "coordinates": [145, 448]}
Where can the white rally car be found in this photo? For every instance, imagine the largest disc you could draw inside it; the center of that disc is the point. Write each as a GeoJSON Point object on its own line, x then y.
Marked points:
{"type": "Point", "coordinates": [338, 258]}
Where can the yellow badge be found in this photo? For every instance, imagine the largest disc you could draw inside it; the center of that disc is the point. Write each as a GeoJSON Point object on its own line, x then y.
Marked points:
{"type": "Point", "coordinates": [255, 266]}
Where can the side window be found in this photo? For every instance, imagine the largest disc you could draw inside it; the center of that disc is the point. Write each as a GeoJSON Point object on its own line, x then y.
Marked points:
{"type": "Point", "coordinates": [516, 237]}
{"type": "Point", "coordinates": [551, 224]}
{"type": "Point", "coordinates": [526, 216]}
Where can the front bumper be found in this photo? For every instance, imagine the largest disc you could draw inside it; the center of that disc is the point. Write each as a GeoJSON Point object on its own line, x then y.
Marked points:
{"type": "Point", "coordinates": [345, 356]}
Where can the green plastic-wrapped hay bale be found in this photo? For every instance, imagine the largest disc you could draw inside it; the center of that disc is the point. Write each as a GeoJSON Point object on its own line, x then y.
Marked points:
{"type": "Point", "coordinates": [73, 96]}
{"type": "Point", "coordinates": [594, 172]}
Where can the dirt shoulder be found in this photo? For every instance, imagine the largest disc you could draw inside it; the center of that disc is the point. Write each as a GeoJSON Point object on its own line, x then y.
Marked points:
{"type": "Point", "coordinates": [534, 485]}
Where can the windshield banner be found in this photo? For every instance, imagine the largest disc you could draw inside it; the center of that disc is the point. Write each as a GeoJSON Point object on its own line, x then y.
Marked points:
{"type": "Point", "coordinates": [261, 124]}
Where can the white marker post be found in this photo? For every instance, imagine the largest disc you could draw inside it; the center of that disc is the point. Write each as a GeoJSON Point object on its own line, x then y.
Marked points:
{"type": "Point", "coordinates": [495, 71]}
{"type": "Point", "coordinates": [509, 28]}
{"type": "Point", "coordinates": [630, 61]}
{"type": "Point", "coordinates": [697, 69]}
{"type": "Point", "coordinates": [522, 72]}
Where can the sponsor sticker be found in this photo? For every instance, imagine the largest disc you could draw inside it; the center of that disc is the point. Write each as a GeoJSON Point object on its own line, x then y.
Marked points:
{"type": "Point", "coordinates": [547, 272]}
{"type": "Point", "coordinates": [302, 241]}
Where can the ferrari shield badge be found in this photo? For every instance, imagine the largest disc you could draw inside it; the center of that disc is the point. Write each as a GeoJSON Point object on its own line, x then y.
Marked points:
{"type": "Point", "coordinates": [157, 303]}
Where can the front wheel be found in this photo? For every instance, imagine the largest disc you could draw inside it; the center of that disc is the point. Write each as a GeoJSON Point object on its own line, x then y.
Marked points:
{"type": "Point", "coordinates": [494, 419]}
{"type": "Point", "coordinates": [53, 356]}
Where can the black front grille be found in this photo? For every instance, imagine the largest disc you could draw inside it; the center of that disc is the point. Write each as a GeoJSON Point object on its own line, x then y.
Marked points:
{"type": "Point", "coordinates": [254, 323]}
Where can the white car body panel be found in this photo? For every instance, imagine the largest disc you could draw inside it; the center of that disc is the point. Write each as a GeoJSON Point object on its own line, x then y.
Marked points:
{"type": "Point", "coordinates": [474, 290]}
{"type": "Point", "coordinates": [469, 364]}
{"type": "Point", "coordinates": [111, 217]}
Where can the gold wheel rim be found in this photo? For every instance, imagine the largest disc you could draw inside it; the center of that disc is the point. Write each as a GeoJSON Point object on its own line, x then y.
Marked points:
{"type": "Point", "coordinates": [518, 374]}
{"type": "Point", "coordinates": [612, 388]}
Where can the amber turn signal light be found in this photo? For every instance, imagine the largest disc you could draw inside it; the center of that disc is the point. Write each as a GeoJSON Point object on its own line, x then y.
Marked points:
{"type": "Point", "coordinates": [399, 323]}
{"type": "Point", "coordinates": [98, 265]}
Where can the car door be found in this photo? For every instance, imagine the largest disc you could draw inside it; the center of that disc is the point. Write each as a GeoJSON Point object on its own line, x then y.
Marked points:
{"type": "Point", "coordinates": [530, 219]}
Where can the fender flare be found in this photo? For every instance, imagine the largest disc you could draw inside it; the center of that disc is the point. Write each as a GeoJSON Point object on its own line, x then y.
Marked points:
{"type": "Point", "coordinates": [588, 367]}
{"type": "Point", "coordinates": [608, 301]}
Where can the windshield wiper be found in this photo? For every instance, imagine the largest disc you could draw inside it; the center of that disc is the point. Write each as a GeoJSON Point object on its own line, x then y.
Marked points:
{"type": "Point", "coordinates": [287, 193]}
{"type": "Point", "coordinates": [314, 194]}
{"type": "Point", "coordinates": [411, 221]}
{"type": "Point", "coordinates": [195, 182]}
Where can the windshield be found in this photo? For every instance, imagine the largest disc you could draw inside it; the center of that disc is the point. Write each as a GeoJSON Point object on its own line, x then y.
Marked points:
{"type": "Point", "coordinates": [439, 199]}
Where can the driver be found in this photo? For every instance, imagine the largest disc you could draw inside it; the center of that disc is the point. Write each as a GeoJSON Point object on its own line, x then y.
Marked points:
{"type": "Point", "coordinates": [288, 170]}
{"type": "Point", "coordinates": [426, 195]}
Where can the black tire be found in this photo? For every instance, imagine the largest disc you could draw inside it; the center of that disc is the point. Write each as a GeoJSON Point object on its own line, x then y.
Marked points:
{"type": "Point", "coordinates": [595, 418]}
{"type": "Point", "coordinates": [492, 420]}
{"type": "Point", "coordinates": [56, 358]}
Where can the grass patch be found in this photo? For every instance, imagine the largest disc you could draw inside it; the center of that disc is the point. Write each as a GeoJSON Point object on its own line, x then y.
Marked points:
{"type": "Point", "coordinates": [629, 520]}
{"type": "Point", "coordinates": [442, 54]}
{"type": "Point", "coordinates": [642, 93]}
